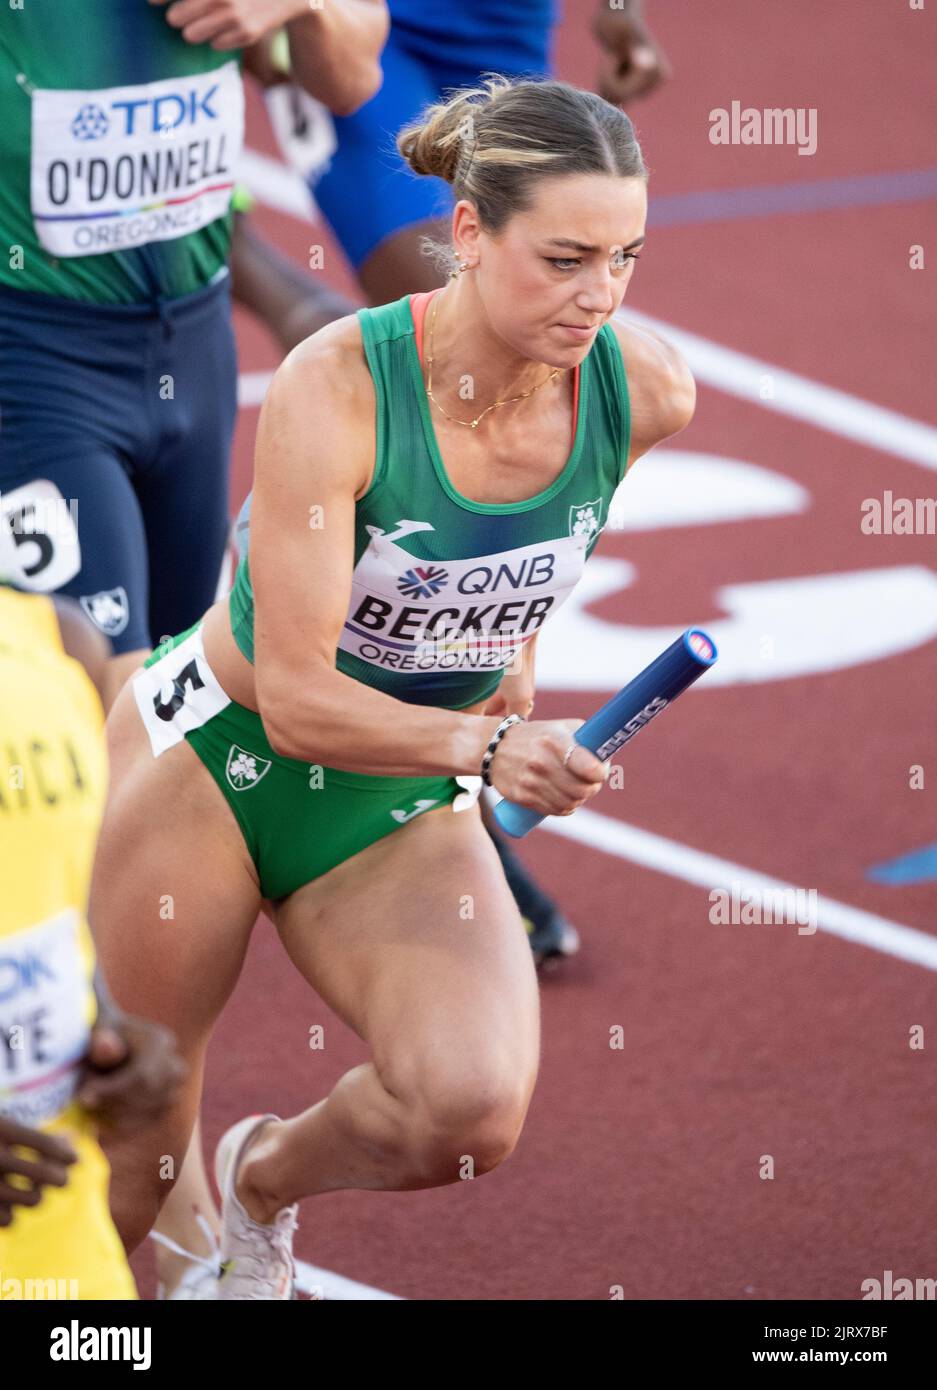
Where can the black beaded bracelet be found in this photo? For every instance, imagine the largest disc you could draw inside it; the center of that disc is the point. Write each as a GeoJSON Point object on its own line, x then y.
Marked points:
{"type": "Point", "coordinates": [496, 739]}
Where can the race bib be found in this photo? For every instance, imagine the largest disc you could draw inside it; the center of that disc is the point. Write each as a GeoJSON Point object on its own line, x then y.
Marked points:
{"type": "Point", "coordinates": [39, 547]}
{"type": "Point", "coordinates": [178, 693]}
{"type": "Point", "coordinates": [43, 1022]}
{"type": "Point", "coordinates": [303, 127]}
{"type": "Point", "coordinates": [454, 615]}
{"type": "Point", "coordinates": [125, 166]}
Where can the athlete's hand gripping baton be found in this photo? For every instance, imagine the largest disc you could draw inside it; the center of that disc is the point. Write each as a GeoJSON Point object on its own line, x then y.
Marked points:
{"type": "Point", "coordinates": [635, 705]}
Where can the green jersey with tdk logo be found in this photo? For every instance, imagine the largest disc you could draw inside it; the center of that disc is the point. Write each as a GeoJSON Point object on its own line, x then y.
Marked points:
{"type": "Point", "coordinates": [446, 591]}
{"type": "Point", "coordinates": [118, 144]}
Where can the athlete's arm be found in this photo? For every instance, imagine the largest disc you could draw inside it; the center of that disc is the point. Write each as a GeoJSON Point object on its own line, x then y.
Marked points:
{"type": "Point", "coordinates": [660, 387]}
{"type": "Point", "coordinates": [334, 48]}
{"type": "Point", "coordinates": [132, 1071]}
{"type": "Point", "coordinates": [335, 52]}
{"type": "Point", "coordinates": [632, 62]}
{"type": "Point", "coordinates": [315, 449]}
{"type": "Point", "coordinates": [515, 694]}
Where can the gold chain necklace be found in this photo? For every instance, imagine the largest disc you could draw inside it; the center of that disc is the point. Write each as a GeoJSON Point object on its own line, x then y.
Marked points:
{"type": "Point", "coordinates": [472, 424]}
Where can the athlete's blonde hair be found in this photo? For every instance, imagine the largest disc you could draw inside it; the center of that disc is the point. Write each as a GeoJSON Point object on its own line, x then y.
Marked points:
{"type": "Point", "coordinates": [494, 142]}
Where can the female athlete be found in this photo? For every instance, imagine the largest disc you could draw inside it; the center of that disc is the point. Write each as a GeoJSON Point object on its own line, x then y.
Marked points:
{"type": "Point", "coordinates": [431, 476]}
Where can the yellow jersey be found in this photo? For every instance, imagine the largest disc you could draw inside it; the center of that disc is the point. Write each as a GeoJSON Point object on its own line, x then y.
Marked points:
{"type": "Point", "coordinates": [53, 782]}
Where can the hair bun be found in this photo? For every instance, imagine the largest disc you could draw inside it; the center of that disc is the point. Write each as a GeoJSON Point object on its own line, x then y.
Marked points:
{"type": "Point", "coordinates": [493, 143]}
{"type": "Point", "coordinates": [433, 147]}
{"type": "Point", "coordinates": [435, 143]}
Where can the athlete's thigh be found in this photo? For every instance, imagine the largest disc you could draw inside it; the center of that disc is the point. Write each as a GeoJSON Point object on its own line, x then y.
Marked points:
{"type": "Point", "coordinates": [174, 894]}
{"type": "Point", "coordinates": [183, 494]}
{"type": "Point", "coordinates": [417, 943]}
{"type": "Point", "coordinates": [76, 525]}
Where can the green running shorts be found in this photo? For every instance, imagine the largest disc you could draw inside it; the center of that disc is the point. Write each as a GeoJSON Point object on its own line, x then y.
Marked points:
{"type": "Point", "coordinates": [298, 819]}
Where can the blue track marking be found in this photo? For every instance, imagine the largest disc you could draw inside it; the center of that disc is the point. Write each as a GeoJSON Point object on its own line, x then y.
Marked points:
{"type": "Point", "coordinates": [818, 195]}
{"type": "Point", "coordinates": [919, 866]}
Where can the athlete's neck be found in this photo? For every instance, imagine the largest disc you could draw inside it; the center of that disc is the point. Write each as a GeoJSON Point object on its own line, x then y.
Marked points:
{"type": "Point", "coordinates": [465, 345]}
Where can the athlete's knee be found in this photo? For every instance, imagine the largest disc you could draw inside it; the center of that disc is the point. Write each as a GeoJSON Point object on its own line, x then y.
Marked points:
{"type": "Point", "coordinates": [467, 1117]}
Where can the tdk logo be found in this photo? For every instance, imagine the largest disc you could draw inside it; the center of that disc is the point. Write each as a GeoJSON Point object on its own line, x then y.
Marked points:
{"type": "Point", "coordinates": [21, 972]}
{"type": "Point", "coordinates": [145, 115]}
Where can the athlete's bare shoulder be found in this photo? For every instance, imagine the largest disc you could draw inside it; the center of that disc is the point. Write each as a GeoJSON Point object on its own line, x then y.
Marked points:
{"type": "Point", "coordinates": [335, 354]}
{"type": "Point", "coordinates": [660, 386]}
{"type": "Point", "coordinates": [323, 393]}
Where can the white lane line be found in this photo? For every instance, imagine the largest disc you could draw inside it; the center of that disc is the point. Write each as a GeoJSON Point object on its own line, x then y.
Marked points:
{"type": "Point", "coordinates": [849, 416]}
{"type": "Point", "coordinates": [326, 1284]}
{"type": "Point", "coordinates": [709, 871]}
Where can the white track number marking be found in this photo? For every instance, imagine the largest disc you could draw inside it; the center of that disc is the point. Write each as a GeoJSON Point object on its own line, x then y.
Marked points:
{"type": "Point", "coordinates": [774, 629]}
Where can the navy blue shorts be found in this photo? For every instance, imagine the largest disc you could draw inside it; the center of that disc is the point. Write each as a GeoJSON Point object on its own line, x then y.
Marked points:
{"type": "Point", "coordinates": [368, 192]}
{"type": "Point", "coordinates": [115, 438]}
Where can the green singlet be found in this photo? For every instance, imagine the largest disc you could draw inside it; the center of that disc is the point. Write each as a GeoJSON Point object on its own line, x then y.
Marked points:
{"type": "Point", "coordinates": [445, 593]}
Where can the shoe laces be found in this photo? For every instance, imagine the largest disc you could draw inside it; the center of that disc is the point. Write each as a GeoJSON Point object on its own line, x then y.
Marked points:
{"type": "Point", "coordinates": [256, 1246]}
{"type": "Point", "coordinates": [211, 1262]}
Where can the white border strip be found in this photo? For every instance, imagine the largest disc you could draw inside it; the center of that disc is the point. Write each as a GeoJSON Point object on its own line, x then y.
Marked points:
{"type": "Point", "coordinates": [709, 871]}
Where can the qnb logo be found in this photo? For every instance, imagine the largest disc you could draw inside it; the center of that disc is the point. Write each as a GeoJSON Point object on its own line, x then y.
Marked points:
{"type": "Point", "coordinates": [91, 123]}
{"type": "Point", "coordinates": [18, 973]}
{"type": "Point", "coordinates": [423, 581]}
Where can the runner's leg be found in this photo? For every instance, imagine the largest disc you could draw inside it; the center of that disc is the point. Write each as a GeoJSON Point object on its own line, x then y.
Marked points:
{"type": "Point", "coordinates": [174, 899]}
{"type": "Point", "coordinates": [417, 944]}
{"type": "Point", "coordinates": [74, 427]}
{"type": "Point", "coordinates": [183, 486]}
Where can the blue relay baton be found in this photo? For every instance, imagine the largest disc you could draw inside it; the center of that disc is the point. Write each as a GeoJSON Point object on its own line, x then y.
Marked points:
{"type": "Point", "coordinates": [626, 713]}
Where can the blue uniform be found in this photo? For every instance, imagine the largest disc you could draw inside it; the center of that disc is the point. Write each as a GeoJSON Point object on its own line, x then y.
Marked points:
{"type": "Point", "coordinates": [116, 423]}
{"type": "Point", "coordinates": [368, 193]}
{"type": "Point", "coordinates": [119, 143]}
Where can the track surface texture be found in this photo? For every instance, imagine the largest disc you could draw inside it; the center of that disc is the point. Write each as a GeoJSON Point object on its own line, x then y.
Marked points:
{"type": "Point", "coordinates": [640, 1166]}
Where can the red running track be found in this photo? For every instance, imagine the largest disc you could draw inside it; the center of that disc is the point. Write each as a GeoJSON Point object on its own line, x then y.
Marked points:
{"type": "Point", "coordinates": [639, 1167]}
